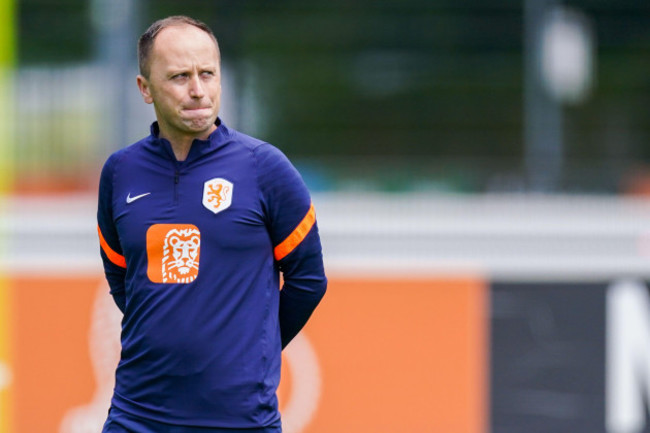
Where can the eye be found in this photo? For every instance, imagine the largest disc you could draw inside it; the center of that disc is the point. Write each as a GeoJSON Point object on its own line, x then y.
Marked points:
{"type": "Point", "coordinates": [207, 74]}
{"type": "Point", "coordinates": [179, 77]}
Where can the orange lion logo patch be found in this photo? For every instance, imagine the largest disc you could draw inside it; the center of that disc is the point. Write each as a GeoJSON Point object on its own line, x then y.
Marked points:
{"type": "Point", "coordinates": [180, 256]}
{"type": "Point", "coordinates": [217, 194]}
{"type": "Point", "coordinates": [173, 251]}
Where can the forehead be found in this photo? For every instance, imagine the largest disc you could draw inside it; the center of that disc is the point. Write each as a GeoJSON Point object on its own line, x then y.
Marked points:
{"type": "Point", "coordinates": [182, 45]}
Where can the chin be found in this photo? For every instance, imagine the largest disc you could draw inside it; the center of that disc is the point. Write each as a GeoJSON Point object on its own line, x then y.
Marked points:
{"type": "Point", "coordinates": [197, 124]}
{"type": "Point", "coordinates": [201, 127]}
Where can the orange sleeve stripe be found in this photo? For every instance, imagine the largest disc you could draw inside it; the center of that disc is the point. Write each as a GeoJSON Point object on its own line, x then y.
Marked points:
{"type": "Point", "coordinates": [297, 236]}
{"type": "Point", "coordinates": [114, 257]}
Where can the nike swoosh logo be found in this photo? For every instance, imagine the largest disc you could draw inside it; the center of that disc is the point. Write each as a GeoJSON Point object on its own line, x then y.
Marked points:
{"type": "Point", "coordinates": [130, 199]}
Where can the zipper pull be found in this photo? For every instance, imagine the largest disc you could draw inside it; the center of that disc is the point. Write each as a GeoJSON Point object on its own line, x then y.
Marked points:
{"type": "Point", "coordinates": [176, 178]}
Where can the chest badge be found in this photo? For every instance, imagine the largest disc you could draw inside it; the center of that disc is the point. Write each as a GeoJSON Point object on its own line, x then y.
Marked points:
{"type": "Point", "coordinates": [217, 194]}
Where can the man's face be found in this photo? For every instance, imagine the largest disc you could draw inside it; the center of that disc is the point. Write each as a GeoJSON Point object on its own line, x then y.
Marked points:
{"type": "Point", "coordinates": [184, 82]}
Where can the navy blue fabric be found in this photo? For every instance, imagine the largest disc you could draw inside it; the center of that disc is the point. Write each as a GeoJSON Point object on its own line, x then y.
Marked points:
{"type": "Point", "coordinates": [121, 422]}
{"type": "Point", "coordinates": [208, 353]}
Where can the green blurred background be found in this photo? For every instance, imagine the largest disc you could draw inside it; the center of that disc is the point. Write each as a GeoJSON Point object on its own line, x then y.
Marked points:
{"type": "Point", "coordinates": [363, 95]}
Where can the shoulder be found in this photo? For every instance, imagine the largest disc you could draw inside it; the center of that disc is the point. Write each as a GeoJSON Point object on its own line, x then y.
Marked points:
{"type": "Point", "coordinates": [246, 141]}
{"type": "Point", "coordinates": [263, 151]}
{"type": "Point", "coordinates": [271, 161]}
{"type": "Point", "coordinates": [266, 156]}
{"type": "Point", "coordinates": [114, 159]}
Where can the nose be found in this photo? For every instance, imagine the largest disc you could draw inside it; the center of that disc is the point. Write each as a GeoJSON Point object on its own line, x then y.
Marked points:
{"type": "Point", "coordinates": [196, 88]}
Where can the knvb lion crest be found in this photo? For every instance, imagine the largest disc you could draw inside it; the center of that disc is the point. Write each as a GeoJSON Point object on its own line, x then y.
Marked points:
{"type": "Point", "coordinates": [217, 194]}
{"type": "Point", "coordinates": [180, 259]}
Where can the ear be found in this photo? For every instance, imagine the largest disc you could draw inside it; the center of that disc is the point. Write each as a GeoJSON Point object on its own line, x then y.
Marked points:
{"type": "Point", "coordinates": [145, 89]}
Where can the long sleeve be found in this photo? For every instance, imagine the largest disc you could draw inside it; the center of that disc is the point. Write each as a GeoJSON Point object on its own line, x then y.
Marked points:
{"type": "Point", "coordinates": [291, 221]}
{"type": "Point", "coordinates": [110, 251]}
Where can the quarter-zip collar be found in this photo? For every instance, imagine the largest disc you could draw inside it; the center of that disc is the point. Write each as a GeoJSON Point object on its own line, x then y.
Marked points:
{"type": "Point", "coordinates": [199, 148]}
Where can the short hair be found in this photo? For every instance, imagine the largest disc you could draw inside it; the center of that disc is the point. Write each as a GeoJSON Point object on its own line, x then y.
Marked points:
{"type": "Point", "coordinates": [146, 41]}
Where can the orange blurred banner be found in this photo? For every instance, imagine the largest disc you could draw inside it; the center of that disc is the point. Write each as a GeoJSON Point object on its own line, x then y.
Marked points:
{"type": "Point", "coordinates": [401, 356]}
{"type": "Point", "coordinates": [379, 355]}
{"type": "Point", "coordinates": [6, 357]}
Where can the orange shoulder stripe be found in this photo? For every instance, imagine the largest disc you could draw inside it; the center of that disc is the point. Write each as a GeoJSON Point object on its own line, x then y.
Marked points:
{"type": "Point", "coordinates": [297, 236]}
{"type": "Point", "coordinates": [114, 257]}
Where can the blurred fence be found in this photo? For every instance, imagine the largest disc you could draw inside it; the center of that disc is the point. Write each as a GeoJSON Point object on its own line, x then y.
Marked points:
{"type": "Point", "coordinates": [394, 95]}
{"type": "Point", "coordinates": [59, 124]}
{"type": "Point", "coordinates": [67, 120]}
{"type": "Point", "coordinates": [66, 124]}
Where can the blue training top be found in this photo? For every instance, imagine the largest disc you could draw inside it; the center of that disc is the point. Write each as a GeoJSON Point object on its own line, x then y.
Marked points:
{"type": "Point", "coordinates": [192, 252]}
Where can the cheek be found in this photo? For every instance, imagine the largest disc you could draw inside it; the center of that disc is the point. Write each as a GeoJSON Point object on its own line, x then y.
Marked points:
{"type": "Point", "coordinates": [216, 92]}
{"type": "Point", "coordinates": [168, 95]}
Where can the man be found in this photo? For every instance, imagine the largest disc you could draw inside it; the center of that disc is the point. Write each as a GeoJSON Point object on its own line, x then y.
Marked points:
{"type": "Point", "coordinates": [195, 222]}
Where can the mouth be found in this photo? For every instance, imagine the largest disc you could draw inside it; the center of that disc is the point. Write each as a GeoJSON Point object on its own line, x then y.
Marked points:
{"type": "Point", "coordinates": [198, 111]}
{"type": "Point", "coordinates": [195, 108]}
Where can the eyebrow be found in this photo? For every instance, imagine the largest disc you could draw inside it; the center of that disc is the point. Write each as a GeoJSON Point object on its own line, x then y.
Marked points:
{"type": "Point", "coordinates": [180, 70]}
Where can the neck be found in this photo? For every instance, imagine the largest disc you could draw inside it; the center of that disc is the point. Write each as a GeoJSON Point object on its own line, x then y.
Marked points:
{"type": "Point", "coordinates": [181, 148]}
{"type": "Point", "coordinates": [182, 143]}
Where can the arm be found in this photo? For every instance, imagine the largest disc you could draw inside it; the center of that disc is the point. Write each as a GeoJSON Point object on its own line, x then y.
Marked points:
{"type": "Point", "coordinates": [291, 221]}
{"type": "Point", "coordinates": [110, 251]}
